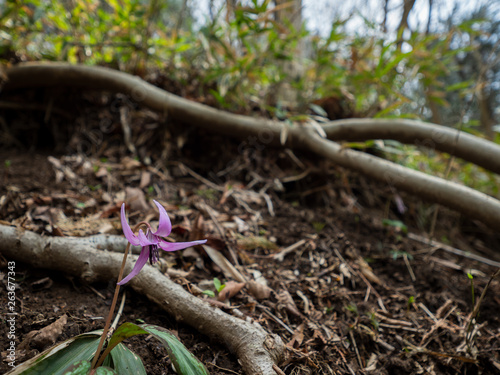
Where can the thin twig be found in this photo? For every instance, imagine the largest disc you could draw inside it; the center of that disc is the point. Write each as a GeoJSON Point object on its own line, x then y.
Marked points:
{"type": "Point", "coordinates": [438, 245]}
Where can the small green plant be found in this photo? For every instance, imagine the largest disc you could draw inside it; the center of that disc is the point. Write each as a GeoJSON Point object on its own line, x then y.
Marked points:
{"type": "Point", "coordinates": [352, 308]}
{"type": "Point", "coordinates": [411, 301]}
{"type": "Point", "coordinates": [209, 293]}
{"type": "Point", "coordinates": [396, 224]}
{"type": "Point", "coordinates": [7, 163]}
{"type": "Point", "coordinates": [471, 278]}
{"type": "Point", "coordinates": [373, 320]}
{"type": "Point", "coordinates": [400, 254]}
{"type": "Point", "coordinates": [95, 187]}
{"type": "Point", "coordinates": [318, 226]}
{"type": "Point", "coordinates": [218, 285]}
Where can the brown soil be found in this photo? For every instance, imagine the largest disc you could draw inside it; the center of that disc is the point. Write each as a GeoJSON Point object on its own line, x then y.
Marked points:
{"type": "Point", "coordinates": [355, 297]}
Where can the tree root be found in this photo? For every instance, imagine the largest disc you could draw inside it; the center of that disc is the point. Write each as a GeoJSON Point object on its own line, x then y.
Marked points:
{"type": "Point", "coordinates": [256, 350]}
{"type": "Point", "coordinates": [468, 147]}
{"type": "Point", "coordinates": [452, 195]}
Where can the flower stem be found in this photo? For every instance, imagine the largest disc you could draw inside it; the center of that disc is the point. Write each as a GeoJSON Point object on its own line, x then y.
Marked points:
{"type": "Point", "coordinates": [113, 305]}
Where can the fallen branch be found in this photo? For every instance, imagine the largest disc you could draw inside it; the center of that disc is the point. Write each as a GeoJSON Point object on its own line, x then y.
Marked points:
{"type": "Point", "coordinates": [465, 200]}
{"type": "Point", "coordinates": [256, 350]}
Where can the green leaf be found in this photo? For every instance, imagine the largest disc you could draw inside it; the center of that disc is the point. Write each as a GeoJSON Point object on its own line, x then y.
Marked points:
{"type": "Point", "coordinates": [83, 368]}
{"type": "Point", "coordinates": [79, 368]}
{"type": "Point", "coordinates": [396, 224]}
{"type": "Point", "coordinates": [126, 361]}
{"type": "Point", "coordinates": [58, 359]}
{"type": "Point", "coordinates": [318, 110]}
{"type": "Point", "coordinates": [459, 86]}
{"type": "Point", "coordinates": [109, 371]}
{"type": "Point", "coordinates": [184, 362]}
{"type": "Point", "coordinates": [125, 331]}
{"type": "Point", "coordinates": [218, 285]}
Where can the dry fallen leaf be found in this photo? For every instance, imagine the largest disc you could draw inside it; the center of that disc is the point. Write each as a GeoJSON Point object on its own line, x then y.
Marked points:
{"type": "Point", "coordinates": [136, 200]}
{"type": "Point", "coordinates": [297, 338]}
{"type": "Point", "coordinates": [230, 290]}
{"type": "Point", "coordinates": [286, 301]}
{"type": "Point", "coordinates": [145, 179]}
{"type": "Point", "coordinates": [367, 271]}
{"type": "Point", "coordinates": [46, 336]}
{"type": "Point", "coordinates": [229, 270]}
{"type": "Point", "coordinates": [258, 290]}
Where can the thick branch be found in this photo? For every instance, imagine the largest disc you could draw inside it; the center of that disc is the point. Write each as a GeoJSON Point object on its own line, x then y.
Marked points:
{"type": "Point", "coordinates": [255, 349]}
{"type": "Point", "coordinates": [267, 132]}
{"type": "Point", "coordinates": [468, 201]}
{"type": "Point", "coordinates": [479, 151]}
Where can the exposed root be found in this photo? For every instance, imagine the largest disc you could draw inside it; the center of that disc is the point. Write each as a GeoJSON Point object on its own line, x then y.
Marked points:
{"type": "Point", "coordinates": [256, 349]}
{"type": "Point", "coordinates": [457, 197]}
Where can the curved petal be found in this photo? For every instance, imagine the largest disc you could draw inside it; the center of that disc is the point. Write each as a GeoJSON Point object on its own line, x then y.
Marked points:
{"type": "Point", "coordinates": [141, 261]}
{"type": "Point", "coordinates": [164, 225]}
{"type": "Point", "coordinates": [168, 246]}
{"type": "Point", "coordinates": [146, 241]}
{"type": "Point", "coordinates": [129, 235]}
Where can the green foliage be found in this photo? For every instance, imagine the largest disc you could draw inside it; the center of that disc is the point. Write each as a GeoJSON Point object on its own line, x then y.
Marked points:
{"type": "Point", "coordinates": [73, 356]}
{"type": "Point", "coordinates": [241, 59]}
{"type": "Point", "coordinates": [318, 226]}
{"type": "Point", "coordinates": [218, 285]}
{"type": "Point", "coordinates": [395, 224]}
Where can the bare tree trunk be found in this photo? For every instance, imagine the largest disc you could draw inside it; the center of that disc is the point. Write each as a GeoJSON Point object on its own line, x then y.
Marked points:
{"type": "Point", "coordinates": [386, 10]}
{"type": "Point", "coordinates": [428, 28]}
{"type": "Point", "coordinates": [403, 25]}
{"type": "Point", "coordinates": [485, 112]}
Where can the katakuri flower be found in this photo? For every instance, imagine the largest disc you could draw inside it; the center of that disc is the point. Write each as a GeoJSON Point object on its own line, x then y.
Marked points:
{"type": "Point", "coordinates": [151, 241]}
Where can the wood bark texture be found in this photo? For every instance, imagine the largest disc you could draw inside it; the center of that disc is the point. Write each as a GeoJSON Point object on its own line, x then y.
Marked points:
{"type": "Point", "coordinates": [256, 350]}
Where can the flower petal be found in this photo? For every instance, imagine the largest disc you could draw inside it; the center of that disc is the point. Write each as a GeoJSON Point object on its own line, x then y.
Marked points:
{"type": "Point", "coordinates": [151, 239]}
{"type": "Point", "coordinates": [164, 225]}
{"type": "Point", "coordinates": [129, 235]}
{"type": "Point", "coordinates": [141, 261]}
{"type": "Point", "coordinates": [169, 246]}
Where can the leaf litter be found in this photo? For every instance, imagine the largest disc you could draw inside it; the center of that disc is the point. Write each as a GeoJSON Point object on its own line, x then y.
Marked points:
{"type": "Point", "coordinates": [306, 255]}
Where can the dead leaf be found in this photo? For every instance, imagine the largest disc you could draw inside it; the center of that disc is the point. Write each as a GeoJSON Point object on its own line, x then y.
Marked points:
{"type": "Point", "coordinates": [367, 271]}
{"type": "Point", "coordinates": [258, 290]}
{"type": "Point", "coordinates": [230, 290]}
{"type": "Point", "coordinates": [46, 336]}
{"type": "Point", "coordinates": [253, 242]}
{"type": "Point", "coordinates": [297, 338]}
{"type": "Point", "coordinates": [286, 301]}
{"type": "Point", "coordinates": [129, 163]}
{"type": "Point", "coordinates": [136, 200]}
{"type": "Point", "coordinates": [227, 268]}
{"type": "Point", "coordinates": [145, 179]}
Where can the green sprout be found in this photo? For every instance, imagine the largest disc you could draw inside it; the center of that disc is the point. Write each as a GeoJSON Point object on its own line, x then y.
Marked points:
{"type": "Point", "coordinates": [471, 278]}
{"type": "Point", "coordinates": [218, 285]}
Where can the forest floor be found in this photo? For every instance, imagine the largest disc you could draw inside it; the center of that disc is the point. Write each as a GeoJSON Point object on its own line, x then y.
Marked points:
{"type": "Point", "coordinates": [350, 292]}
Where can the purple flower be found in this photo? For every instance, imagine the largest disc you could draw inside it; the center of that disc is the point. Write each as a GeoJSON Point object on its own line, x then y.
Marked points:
{"type": "Point", "coordinates": [150, 241]}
